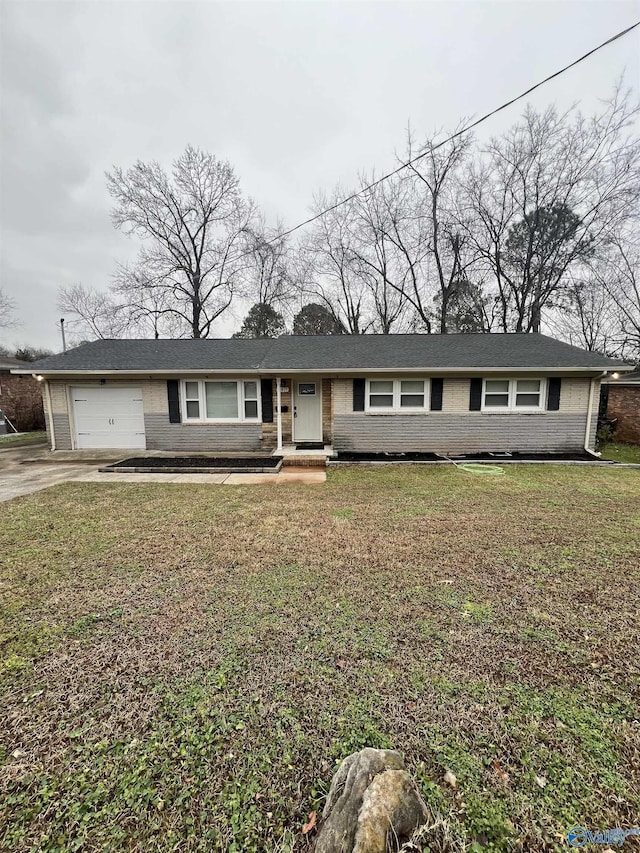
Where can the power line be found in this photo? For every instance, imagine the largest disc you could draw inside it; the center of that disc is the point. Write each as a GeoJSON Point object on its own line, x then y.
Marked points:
{"type": "Point", "coordinates": [453, 136]}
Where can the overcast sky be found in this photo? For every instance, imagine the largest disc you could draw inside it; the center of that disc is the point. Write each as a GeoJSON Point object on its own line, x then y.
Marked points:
{"type": "Point", "coordinates": [298, 96]}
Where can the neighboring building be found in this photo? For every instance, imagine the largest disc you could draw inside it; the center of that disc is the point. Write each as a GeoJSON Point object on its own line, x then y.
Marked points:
{"type": "Point", "coordinates": [359, 393]}
{"type": "Point", "coordinates": [623, 406]}
{"type": "Point", "coordinates": [20, 396]}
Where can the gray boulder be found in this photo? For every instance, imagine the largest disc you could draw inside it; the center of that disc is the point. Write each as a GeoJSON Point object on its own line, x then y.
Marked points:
{"type": "Point", "coordinates": [373, 805]}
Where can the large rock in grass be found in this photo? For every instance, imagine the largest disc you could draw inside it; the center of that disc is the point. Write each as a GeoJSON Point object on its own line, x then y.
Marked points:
{"type": "Point", "coordinates": [373, 805]}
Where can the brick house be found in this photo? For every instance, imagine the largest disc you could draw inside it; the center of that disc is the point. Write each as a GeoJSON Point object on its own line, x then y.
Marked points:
{"type": "Point", "coordinates": [20, 396]}
{"type": "Point", "coordinates": [623, 406]}
{"type": "Point", "coordinates": [461, 393]}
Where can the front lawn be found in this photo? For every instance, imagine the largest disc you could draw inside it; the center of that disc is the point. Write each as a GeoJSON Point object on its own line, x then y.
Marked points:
{"type": "Point", "coordinates": [622, 452]}
{"type": "Point", "coordinates": [16, 439]}
{"type": "Point", "coordinates": [184, 666]}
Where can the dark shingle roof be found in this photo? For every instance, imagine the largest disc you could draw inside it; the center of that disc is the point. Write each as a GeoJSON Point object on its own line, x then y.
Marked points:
{"type": "Point", "coordinates": [330, 353]}
{"type": "Point", "coordinates": [7, 363]}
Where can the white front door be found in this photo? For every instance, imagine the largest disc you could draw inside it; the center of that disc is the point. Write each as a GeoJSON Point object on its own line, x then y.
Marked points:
{"type": "Point", "coordinates": [307, 410]}
{"type": "Point", "coordinates": [107, 416]}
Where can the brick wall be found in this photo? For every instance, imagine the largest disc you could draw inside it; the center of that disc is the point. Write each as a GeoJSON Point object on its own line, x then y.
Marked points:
{"type": "Point", "coordinates": [21, 401]}
{"type": "Point", "coordinates": [624, 405]}
{"type": "Point", "coordinates": [455, 429]}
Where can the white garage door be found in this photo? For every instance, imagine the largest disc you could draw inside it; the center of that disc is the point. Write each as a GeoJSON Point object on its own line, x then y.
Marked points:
{"type": "Point", "coordinates": [108, 417]}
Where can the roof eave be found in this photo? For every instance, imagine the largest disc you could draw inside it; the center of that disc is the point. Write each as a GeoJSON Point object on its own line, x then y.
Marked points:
{"type": "Point", "coordinates": [340, 371]}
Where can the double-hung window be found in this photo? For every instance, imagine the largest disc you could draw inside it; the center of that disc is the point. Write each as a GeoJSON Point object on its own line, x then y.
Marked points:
{"type": "Point", "coordinates": [220, 400]}
{"type": "Point", "coordinates": [512, 395]}
{"type": "Point", "coordinates": [397, 395]}
{"type": "Point", "coordinates": [192, 401]}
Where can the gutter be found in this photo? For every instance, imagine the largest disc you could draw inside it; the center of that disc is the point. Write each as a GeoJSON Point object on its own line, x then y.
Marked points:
{"type": "Point", "coordinates": [52, 431]}
{"type": "Point", "coordinates": [587, 430]}
{"type": "Point", "coordinates": [329, 371]}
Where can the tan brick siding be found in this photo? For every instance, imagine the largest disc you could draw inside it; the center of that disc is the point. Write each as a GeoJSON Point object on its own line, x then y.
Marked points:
{"type": "Point", "coordinates": [58, 393]}
{"type": "Point", "coordinates": [574, 396]}
{"type": "Point", "coordinates": [440, 432]}
{"type": "Point", "coordinates": [342, 396]}
{"type": "Point", "coordinates": [337, 400]}
{"type": "Point", "coordinates": [624, 405]}
{"type": "Point", "coordinates": [154, 397]}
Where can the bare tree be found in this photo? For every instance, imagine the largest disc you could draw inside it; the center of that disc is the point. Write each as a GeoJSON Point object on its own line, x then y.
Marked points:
{"type": "Point", "coordinates": [378, 260]}
{"type": "Point", "coordinates": [92, 314]}
{"type": "Point", "coordinates": [585, 317]}
{"type": "Point", "coordinates": [618, 273]}
{"type": "Point", "coordinates": [412, 250]}
{"type": "Point", "coordinates": [403, 227]}
{"type": "Point", "coordinates": [451, 254]}
{"type": "Point", "coordinates": [268, 278]}
{"type": "Point", "coordinates": [329, 273]}
{"type": "Point", "coordinates": [194, 225]}
{"type": "Point", "coordinates": [546, 195]}
{"type": "Point", "coordinates": [145, 308]}
{"type": "Point", "coordinates": [7, 306]}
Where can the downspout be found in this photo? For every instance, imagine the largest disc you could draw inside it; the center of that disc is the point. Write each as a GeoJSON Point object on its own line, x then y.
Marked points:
{"type": "Point", "coordinates": [587, 430]}
{"type": "Point", "coordinates": [279, 408]}
{"type": "Point", "coordinates": [52, 432]}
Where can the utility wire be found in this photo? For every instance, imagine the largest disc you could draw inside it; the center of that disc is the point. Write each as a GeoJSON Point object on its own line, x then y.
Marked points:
{"type": "Point", "coordinates": [453, 136]}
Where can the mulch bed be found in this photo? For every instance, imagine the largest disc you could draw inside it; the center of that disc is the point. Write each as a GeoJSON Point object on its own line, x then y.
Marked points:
{"type": "Point", "coordinates": [191, 462]}
{"type": "Point", "coordinates": [472, 457]}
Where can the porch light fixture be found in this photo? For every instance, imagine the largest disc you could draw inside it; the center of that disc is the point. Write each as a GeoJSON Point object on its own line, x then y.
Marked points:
{"type": "Point", "coordinates": [39, 377]}
{"type": "Point", "coordinates": [615, 375]}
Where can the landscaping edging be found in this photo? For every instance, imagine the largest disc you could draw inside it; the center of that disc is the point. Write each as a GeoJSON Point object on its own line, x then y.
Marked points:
{"type": "Point", "coordinates": [162, 465]}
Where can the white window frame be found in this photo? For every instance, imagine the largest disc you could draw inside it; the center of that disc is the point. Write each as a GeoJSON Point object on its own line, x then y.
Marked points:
{"type": "Point", "coordinates": [395, 407]}
{"type": "Point", "coordinates": [512, 392]}
{"type": "Point", "coordinates": [203, 419]}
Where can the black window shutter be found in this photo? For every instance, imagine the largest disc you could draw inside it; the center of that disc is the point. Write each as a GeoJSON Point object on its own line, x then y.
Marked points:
{"type": "Point", "coordinates": [358, 395]}
{"type": "Point", "coordinates": [475, 395]}
{"type": "Point", "coordinates": [553, 393]}
{"type": "Point", "coordinates": [174, 401]}
{"type": "Point", "coordinates": [266, 394]}
{"type": "Point", "coordinates": [436, 395]}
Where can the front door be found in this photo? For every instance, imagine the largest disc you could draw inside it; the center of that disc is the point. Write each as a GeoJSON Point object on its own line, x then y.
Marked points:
{"type": "Point", "coordinates": [307, 410]}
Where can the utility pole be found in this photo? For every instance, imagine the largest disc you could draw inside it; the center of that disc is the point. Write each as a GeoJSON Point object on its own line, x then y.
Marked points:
{"type": "Point", "coordinates": [64, 343]}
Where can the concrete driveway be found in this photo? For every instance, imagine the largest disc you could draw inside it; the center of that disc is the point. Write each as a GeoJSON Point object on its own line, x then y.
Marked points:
{"type": "Point", "coordinates": [18, 479]}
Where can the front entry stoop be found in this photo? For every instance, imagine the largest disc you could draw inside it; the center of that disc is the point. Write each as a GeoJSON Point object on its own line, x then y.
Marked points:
{"type": "Point", "coordinates": [308, 461]}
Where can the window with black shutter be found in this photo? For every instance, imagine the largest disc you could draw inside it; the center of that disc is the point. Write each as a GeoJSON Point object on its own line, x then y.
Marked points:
{"type": "Point", "coordinates": [266, 398]}
{"type": "Point", "coordinates": [475, 395]}
{"type": "Point", "coordinates": [173, 398]}
{"type": "Point", "coordinates": [436, 394]}
{"type": "Point", "coordinates": [553, 393]}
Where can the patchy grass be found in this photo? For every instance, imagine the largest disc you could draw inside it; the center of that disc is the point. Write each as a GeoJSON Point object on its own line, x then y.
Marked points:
{"type": "Point", "coordinates": [16, 439]}
{"type": "Point", "coordinates": [622, 453]}
{"type": "Point", "coordinates": [182, 667]}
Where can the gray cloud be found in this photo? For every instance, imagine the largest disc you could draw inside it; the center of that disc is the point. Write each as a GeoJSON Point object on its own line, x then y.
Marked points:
{"type": "Point", "coordinates": [298, 96]}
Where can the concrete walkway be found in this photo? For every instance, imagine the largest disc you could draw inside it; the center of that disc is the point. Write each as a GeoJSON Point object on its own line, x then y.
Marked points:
{"type": "Point", "coordinates": [24, 470]}
{"type": "Point", "coordinates": [287, 475]}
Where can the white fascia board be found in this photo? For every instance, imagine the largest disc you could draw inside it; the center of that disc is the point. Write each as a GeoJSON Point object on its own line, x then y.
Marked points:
{"type": "Point", "coordinates": [351, 371]}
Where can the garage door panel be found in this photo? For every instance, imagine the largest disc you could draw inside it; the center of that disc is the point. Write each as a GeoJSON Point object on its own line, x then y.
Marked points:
{"type": "Point", "coordinates": [90, 423]}
{"type": "Point", "coordinates": [98, 440]}
{"type": "Point", "coordinates": [109, 417]}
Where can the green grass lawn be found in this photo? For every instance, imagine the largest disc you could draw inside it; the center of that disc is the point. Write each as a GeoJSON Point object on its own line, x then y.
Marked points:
{"type": "Point", "coordinates": [16, 439]}
{"type": "Point", "coordinates": [622, 453]}
{"type": "Point", "coordinates": [183, 667]}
